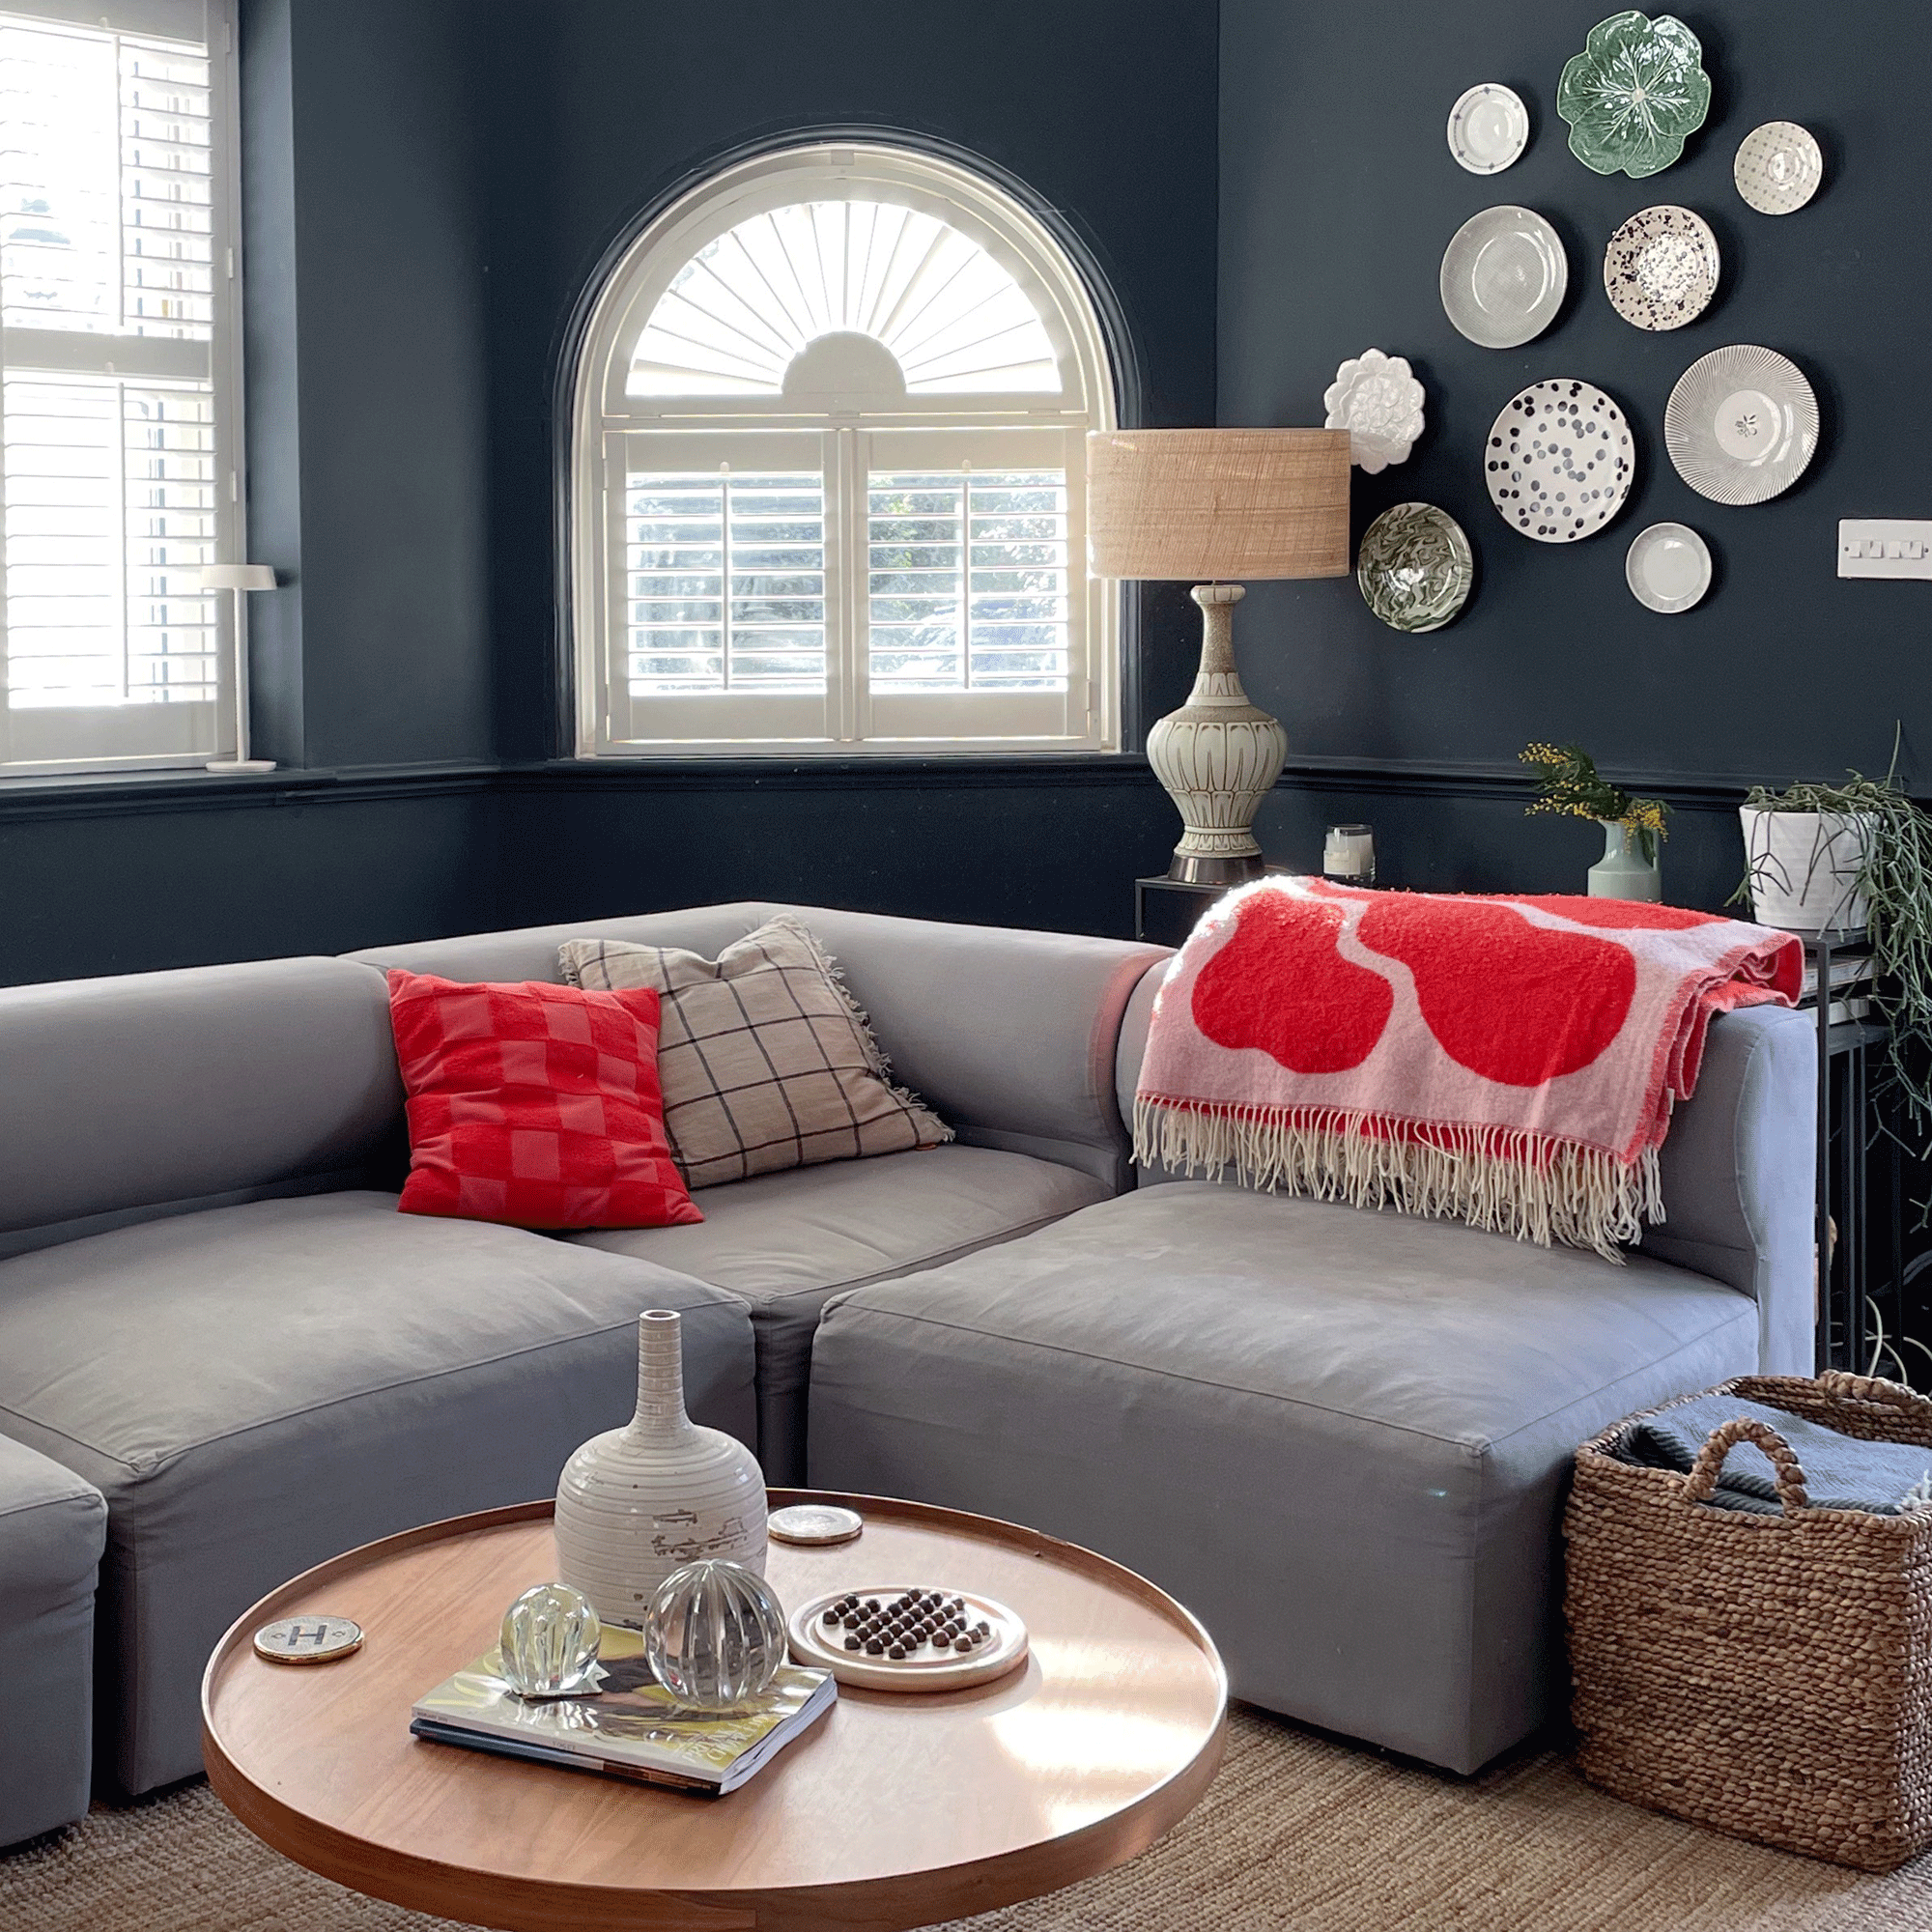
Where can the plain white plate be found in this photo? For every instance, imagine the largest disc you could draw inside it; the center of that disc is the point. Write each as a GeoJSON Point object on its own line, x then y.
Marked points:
{"type": "Point", "coordinates": [1669, 568]}
{"type": "Point", "coordinates": [1488, 129]}
{"type": "Point", "coordinates": [1503, 276]}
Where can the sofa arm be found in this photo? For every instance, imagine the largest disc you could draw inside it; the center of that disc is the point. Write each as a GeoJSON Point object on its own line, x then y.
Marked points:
{"type": "Point", "coordinates": [1740, 1174]}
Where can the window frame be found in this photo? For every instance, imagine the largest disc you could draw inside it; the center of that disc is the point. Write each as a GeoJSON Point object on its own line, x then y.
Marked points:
{"type": "Point", "coordinates": [215, 714]}
{"type": "Point", "coordinates": [602, 415]}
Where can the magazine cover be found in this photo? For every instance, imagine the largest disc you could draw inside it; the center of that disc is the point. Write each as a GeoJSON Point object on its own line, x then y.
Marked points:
{"type": "Point", "coordinates": [631, 1727]}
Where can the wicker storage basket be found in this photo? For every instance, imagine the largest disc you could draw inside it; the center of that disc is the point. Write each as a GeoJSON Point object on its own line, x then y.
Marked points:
{"type": "Point", "coordinates": [1768, 1675]}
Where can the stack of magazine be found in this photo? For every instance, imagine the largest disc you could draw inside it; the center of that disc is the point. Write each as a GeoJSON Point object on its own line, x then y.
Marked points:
{"type": "Point", "coordinates": [1851, 989]}
{"type": "Point", "coordinates": [630, 1726]}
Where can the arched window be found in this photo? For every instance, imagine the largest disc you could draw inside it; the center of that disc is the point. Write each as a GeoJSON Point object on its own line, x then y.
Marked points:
{"type": "Point", "coordinates": [828, 472]}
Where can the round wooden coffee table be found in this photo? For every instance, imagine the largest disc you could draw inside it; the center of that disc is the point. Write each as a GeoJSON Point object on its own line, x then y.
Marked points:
{"type": "Point", "coordinates": [892, 1811]}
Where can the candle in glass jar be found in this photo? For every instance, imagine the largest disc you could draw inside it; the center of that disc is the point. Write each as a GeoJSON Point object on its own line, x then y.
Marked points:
{"type": "Point", "coordinates": [1348, 855]}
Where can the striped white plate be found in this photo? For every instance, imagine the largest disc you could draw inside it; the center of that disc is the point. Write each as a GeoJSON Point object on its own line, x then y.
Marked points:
{"type": "Point", "coordinates": [1740, 424]}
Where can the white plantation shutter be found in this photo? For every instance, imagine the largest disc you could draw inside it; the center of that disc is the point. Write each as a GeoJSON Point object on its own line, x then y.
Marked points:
{"type": "Point", "coordinates": [828, 477]}
{"type": "Point", "coordinates": [117, 334]}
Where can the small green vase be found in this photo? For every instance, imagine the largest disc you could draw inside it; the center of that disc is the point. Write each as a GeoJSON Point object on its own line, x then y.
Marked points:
{"type": "Point", "coordinates": [1623, 872]}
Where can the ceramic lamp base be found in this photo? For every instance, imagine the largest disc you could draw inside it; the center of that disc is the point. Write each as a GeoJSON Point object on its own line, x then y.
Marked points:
{"type": "Point", "coordinates": [1217, 756]}
{"type": "Point", "coordinates": [240, 764]}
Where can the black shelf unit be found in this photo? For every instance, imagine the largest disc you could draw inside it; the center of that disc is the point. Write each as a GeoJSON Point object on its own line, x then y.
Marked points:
{"type": "Point", "coordinates": [1860, 1228]}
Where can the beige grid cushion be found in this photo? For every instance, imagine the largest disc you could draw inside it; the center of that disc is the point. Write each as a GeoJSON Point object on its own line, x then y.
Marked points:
{"type": "Point", "coordinates": [764, 1059]}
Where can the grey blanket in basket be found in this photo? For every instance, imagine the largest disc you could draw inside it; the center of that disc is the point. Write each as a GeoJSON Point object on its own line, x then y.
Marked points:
{"type": "Point", "coordinates": [1840, 1471]}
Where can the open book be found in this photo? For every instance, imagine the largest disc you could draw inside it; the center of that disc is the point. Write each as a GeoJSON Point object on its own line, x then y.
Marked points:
{"type": "Point", "coordinates": [630, 1727]}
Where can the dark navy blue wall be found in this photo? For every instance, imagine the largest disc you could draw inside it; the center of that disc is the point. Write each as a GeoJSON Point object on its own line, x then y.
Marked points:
{"type": "Point", "coordinates": [1338, 195]}
{"type": "Point", "coordinates": [430, 184]}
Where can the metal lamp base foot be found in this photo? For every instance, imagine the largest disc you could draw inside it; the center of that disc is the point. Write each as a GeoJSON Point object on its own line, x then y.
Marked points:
{"type": "Point", "coordinates": [1203, 868]}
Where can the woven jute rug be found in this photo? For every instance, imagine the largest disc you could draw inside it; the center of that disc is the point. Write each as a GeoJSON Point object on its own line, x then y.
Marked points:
{"type": "Point", "coordinates": [1298, 1832]}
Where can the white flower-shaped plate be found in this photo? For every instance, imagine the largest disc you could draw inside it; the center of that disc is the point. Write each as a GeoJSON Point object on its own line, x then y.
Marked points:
{"type": "Point", "coordinates": [1378, 401]}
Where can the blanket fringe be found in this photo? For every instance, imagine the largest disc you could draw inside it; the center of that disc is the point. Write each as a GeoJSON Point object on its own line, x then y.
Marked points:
{"type": "Point", "coordinates": [1510, 1182]}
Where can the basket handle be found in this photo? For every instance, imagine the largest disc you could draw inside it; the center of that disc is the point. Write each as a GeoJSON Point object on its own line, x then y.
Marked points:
{"type": "Point", "coordinates": [1790, 1473]}
{"type": "Point", "coordinates": [1877, 1391]}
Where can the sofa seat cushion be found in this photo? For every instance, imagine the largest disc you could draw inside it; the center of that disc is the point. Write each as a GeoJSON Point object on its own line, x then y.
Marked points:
{"type": "Point", "coordinates": [51, 1528]}
{"type": "Point", "coordinates": [787, 1242]}
{"type": "Point", "coordinates": [1340, 1436]}
{"type": "Point", "coordinates": [258, 1387]}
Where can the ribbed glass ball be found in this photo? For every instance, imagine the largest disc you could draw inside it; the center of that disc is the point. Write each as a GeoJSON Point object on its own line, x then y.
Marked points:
{"type": "Point", "coordinates": [550, 1638]}
{"type": "Point", "coordinates": [716, 1636]}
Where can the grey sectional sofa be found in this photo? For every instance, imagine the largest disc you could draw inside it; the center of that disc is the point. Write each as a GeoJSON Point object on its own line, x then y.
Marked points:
{"type": "Point", "coordinates": [1339, 1436]}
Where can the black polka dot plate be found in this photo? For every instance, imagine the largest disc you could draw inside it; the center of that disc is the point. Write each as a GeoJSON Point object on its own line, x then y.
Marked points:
{"type": "Point", "coordinates": [943, 1639]}
{"type": "Point", "coordinates": [1560, 460]}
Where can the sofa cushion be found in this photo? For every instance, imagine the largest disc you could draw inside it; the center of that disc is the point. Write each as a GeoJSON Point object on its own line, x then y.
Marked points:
{"type": "Point", "coordinates": [786, 1241]}
{"type": "Point", "coordinates": [51, 1528]}
{"type": "Point", "coordinates": [534, 1105]}
{"type": "Point", "coordinates": [1339, 1436]}
{"type": "Point", "coordinates": [765, 1064]}
{"type": "Point", "coordinates": [157, 1093]}
{"type": "Point", "coordinates": [258, 1387]}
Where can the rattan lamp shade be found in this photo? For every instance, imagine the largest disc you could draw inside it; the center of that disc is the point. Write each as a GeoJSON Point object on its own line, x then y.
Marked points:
{"type": "Point", "coordinates": [1218, 506]}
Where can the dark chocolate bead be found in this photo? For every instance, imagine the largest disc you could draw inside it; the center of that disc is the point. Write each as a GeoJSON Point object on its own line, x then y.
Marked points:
{"type": "Point", "coordinates": [983, 1628]}
{"type": "Point", "coordinates": [962, 1643]}
{"type": "Point", "coordinates": [851, 1643]}
{"type": "Point", "coordinates": [873, 1647]}
{"type": "Point", "coordinates": [896, 1650]}
{"type": "Point", "coordinates": [829, 1617]}
{"type": "Point", "coordinates": [872, 1604]}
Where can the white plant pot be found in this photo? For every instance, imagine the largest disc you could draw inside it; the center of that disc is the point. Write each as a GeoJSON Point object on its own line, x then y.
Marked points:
{"type": "Point", "coordinates": [1805, 868]}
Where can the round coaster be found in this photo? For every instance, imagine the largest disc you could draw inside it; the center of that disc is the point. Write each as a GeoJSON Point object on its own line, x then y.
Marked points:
{"type": "Point", "coordinates": [815, 1522]}
{"type": "Point", "coordinates": [925, 1666]}
{"type": "Point", "coordinates": [316, 1640]}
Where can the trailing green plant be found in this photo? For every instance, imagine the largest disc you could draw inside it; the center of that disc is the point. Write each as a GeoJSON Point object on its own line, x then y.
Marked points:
{"type": "Point", "coordinates": [1894, 876]}
{"type": "Point", "coordinates": [1568, 782]}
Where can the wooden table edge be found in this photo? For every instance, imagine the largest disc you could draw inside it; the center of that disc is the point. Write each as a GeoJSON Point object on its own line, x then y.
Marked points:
{"type": "Point", "coordinates": [516, 1904]}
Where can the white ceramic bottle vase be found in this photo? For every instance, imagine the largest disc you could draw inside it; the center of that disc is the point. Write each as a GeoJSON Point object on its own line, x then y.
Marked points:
{"type": "Point", "coordinates": [638, 1502]}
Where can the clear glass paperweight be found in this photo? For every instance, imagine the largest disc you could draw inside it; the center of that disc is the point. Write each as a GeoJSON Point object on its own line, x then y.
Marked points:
{"type": "Point", "coordinates": [549, 1640]}
{"type": "Point", "coordinates": [716, 1636]}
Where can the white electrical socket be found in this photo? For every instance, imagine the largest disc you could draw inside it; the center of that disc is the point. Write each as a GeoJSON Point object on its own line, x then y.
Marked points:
{"type": "Point", "coordinates": [1884, 547]}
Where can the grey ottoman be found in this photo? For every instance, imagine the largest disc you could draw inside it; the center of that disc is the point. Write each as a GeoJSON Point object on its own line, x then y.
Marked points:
{"type": "Point", "coordinates": [52, 1527]}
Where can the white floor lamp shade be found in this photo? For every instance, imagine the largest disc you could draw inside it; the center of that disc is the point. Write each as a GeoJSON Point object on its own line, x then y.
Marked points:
{"type": "Point", "coordinates": [239, 578]}
{"type": "Point", "coordinates": [1214, 507]}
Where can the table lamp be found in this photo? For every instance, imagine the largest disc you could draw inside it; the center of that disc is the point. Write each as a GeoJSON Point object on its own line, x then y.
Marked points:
{"type": "Point", "coordinates": [241, 579]}
{"type": "Point", "coordinates": [1209, 507]}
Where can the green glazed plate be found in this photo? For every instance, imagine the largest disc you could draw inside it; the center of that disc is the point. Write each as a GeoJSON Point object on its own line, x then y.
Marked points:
{"type": "Point", "coordinates": [1415, 567]}
{"type": "Point", "coordinates": [1634, 94]}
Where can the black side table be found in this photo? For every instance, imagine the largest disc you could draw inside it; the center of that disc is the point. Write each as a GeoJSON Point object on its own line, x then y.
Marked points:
{"type": "Point", "coordinates": [1165, 910]}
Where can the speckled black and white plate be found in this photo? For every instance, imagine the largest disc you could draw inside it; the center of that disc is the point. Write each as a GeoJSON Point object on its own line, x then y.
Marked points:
{"type": "Point", "coordinates": [1660, 268]}
{"type": "Point", "coordinates": [1560, 460]}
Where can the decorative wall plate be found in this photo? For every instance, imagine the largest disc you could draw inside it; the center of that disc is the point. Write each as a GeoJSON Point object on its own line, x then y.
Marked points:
{"type": "Point", "coordinates": [1634, 94]}
{"type": "Point", "coordinates": [1488, 129]}
{"type": "Point", "coordinates": [1660, 268]}
{"type": "Point", "coordinates": [1378, 400]}
{"type": "Point", "coordinates": [1779, 167]}
{"type": "Point", "coordinates": [1415, 567]}
{"type": "Point", "coordinates": [1669, 568]}
{"type": "Point", "coordinates": [1560, 461]}
{"type": "Point", "coordinates": [1741, 424]}
{"type": "Point", "coordinates": [1503, 276]}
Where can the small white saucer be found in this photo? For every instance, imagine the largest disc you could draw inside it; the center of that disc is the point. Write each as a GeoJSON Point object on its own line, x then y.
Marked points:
{"type": "Point", "coordinates": [814, 1523]}
{"type": "Point", "coordinates": [1488, 129]}
{"type": "Point", "coordinates": [1669, 568]}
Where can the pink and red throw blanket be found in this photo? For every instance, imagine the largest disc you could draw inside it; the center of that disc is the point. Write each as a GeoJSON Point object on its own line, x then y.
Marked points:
{"type": "Point", "coordinates": [1510, 1061]}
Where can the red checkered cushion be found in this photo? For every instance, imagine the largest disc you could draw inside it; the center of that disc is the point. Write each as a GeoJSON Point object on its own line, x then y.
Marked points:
{"type": "Point", "coordinates": [535, 1105]}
